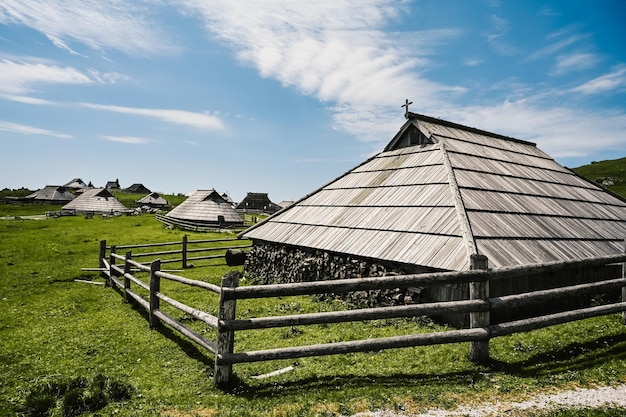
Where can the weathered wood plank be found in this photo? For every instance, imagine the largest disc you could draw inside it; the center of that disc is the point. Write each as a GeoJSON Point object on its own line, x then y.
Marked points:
{"type": "Point", "coordinates": [192, 282]}
{"type": "Point", "coordinates": [535, 323]}
{"type": "Point", "coordinates": [424, 339]}
{"type": "Point", "coordinates": [225, 338]}
{"type": "Point", "coordinates": [535, 297]}
{"type": "Point", "coordinates": [196, 337]}
{"type": "Point", "coordinates": [479, 350]}
{"type": "Point", "coordinates": [155, 287]}
{"type": "Point", "coordinates": [200, 315]}
{"type": "Point", "coordinates": [413, 310]}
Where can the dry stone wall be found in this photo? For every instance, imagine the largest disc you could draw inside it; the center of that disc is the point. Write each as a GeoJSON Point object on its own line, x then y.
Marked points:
{"type": "Point", "coordinates": [269, 263]}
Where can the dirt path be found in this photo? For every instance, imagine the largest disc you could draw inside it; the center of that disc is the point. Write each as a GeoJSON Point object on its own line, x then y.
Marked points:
{"type": "Point", "coordinates": [580, 398]}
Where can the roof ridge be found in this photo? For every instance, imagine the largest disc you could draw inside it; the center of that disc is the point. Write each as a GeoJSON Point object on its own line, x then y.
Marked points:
{"type": "Point", "coordinates": [461, 212]}
{"type": "Point", "coordinates": [454, 125]}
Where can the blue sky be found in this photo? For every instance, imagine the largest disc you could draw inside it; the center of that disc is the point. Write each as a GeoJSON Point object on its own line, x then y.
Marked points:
{"type": "Point", "coordinates": [283, 96]}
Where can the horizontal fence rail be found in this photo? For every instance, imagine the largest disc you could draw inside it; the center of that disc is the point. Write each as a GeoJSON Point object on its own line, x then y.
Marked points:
{"type": "Point", "coordinates": [213, 249]}
{"type": "Point", "coordinates": [478, 306]}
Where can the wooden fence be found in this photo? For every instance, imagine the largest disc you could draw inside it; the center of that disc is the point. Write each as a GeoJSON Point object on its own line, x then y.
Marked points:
{"type": "Point", "coordinates": [185, 251]}
{"type": "Point", "coordinates": [194, 226]}
{"type": "Point", "coordinates": [479, 305]}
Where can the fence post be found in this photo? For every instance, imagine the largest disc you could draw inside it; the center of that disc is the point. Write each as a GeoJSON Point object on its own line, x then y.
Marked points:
{"type": "Point", "coordinates": [155, 287]}
{"type": "Point", "coordinates": [185, 252]}
{"type": "Point", "coordinates": [127, 280]}
{"type": "Point", "coordinates": [225, 338]}
{"type": "Point", "coordinates": [102, 255]}
{"type": "Point", "coordinates": [112, 271]}
{"type": "Point", "coordinates": [479, 351]}
{"type": "Point", "coordinates": [624, 288]}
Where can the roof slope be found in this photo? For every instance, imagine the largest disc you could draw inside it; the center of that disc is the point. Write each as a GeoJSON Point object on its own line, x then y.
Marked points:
{"type": "Point", "coordinates": [206, 207]}
{"type": "Point", "coordinates": [51, 193]}
{"type": "Point", "coordinates": [441, 192]}
{"type": "Point", "coordinates": [75, 184]}
{"type": "Point", "coordinates": [137, 188]}
{"type": "Point", "coordinates": [153, 199]}
{"type": "Point", "coordinates": [95, 200]}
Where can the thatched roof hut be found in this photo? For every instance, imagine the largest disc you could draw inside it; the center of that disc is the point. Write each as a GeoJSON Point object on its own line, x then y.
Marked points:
{"type": "Point", "coordinates": [206, 208]}
{"type": "Point", "coordinates": [50, 194]}
{"type": "Point", "coordinates": [94, 201]}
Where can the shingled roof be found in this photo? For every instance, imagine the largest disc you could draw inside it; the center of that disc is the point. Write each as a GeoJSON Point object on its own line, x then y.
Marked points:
{"type": "Point", "coordinates": [441, 192]}
{"type": "Point", "coordinates": [95, 201]}
{"type": "Point", "coordinates": [206, 207]}
{"type": "Point", "coordinates": [153, 199]}
{"type": "Point", "coordinates": [51, 194]}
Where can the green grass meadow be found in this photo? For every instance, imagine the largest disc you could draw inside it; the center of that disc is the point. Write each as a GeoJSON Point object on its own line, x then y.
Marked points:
{"type": "Point", "coordinates": [59, 337]}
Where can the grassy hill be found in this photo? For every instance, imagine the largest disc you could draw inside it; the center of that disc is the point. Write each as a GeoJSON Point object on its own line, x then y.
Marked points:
{"type": "Point", "coordinates": [610, 174]}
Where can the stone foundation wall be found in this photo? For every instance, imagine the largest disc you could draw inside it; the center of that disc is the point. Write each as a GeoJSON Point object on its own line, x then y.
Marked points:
{"type": "Point", "coordinates": [270, 263]}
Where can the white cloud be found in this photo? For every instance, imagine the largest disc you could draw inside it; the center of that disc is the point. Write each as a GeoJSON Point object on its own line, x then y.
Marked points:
{"type": "Point", "coordinates": [115, 24]}
{"type": "Point", "coordinates": [30, 130]}
{"type": "Point", "coordinates": [472, 62]}
{"type": "Point", "coordinates": [609, 82]}
{"type": "Point", "coordinates": [133, 140]}
{"type": "Point", "coordinates": [22, 77]}
{"type": "Point", "coordinates": [334, 51]}
{"type": "Point", "coordinates": [559, 131]}
{"type": "Point", "coordinates": [28, 100]}
{"type": "Point", "coordinates": [181, 117]}
{"type": "Point", "coordinates": [574, 62]}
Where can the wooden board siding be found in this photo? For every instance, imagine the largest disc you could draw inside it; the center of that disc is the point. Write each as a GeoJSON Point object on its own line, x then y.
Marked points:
{"type": "Point", "coordinates": [467, 192]}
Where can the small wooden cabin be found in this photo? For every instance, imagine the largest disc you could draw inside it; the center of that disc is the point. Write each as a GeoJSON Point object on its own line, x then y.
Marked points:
{"type": "Point", "coordinates": [257, 203]}
{"type": "Point", "coordinates": [438, 193]}
{"type": "Point", "coordinates": [137, 188]}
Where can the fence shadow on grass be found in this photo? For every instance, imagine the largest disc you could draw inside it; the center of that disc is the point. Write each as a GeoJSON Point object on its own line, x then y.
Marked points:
{"type": "Point", "coordinates": [573, 357]}
{"type": "Point", "coordinates": [321, 385]}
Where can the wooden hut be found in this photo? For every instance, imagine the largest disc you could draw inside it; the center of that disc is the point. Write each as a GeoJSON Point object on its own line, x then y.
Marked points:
{"type": "Point", "coordinates": [153, 200]}
{"type": "Point", "coordinates": [437, 194]}
{"type": "Point", "coordinates": [256, 203]}
{"type": "Point", "coordinates": [205, 208]}
{"type": "Point", "coordinates": [137, 189]}
{"type": "Point", "coordinates": [113, 185]}
{"type": "Point", "coordinates": [50, 194]}
{"type": "Point", "coordinates": [75, 184]}
{"type": "Point", "coordinates": [94, 201]}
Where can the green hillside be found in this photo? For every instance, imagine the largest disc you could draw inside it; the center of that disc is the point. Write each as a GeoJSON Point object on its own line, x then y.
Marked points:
{"type": "Point", "coordinates": [611, 174]}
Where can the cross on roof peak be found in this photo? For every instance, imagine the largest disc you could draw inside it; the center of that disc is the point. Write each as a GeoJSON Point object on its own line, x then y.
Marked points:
{"type": "Point", "coordinates": [406, 106]}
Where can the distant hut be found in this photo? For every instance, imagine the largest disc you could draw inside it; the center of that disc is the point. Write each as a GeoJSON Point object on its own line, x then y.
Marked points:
{"type": "Point", "coordinates": [257, 203]}
{"type": "Point", "coordinates": [50, 194]}
{"type": "Point", "coordinates": [94, 201]}
{"type": "Point", "coordinates": [137, 189]}
{"type": "Point", "coordinates": [439, 193]}
{"type": "Point", "coordinates": [113, 185]}
{"type": "Point", "coordinates": [75, 184]}
{"type": "Point", "coordinates": [226, 197]}
{"type": "Point", "coordinates": [153, 200]}
{"type": "Point", "coordinates": [285, 203]}
{"type": "Point", "coordinates": [205, 208]}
